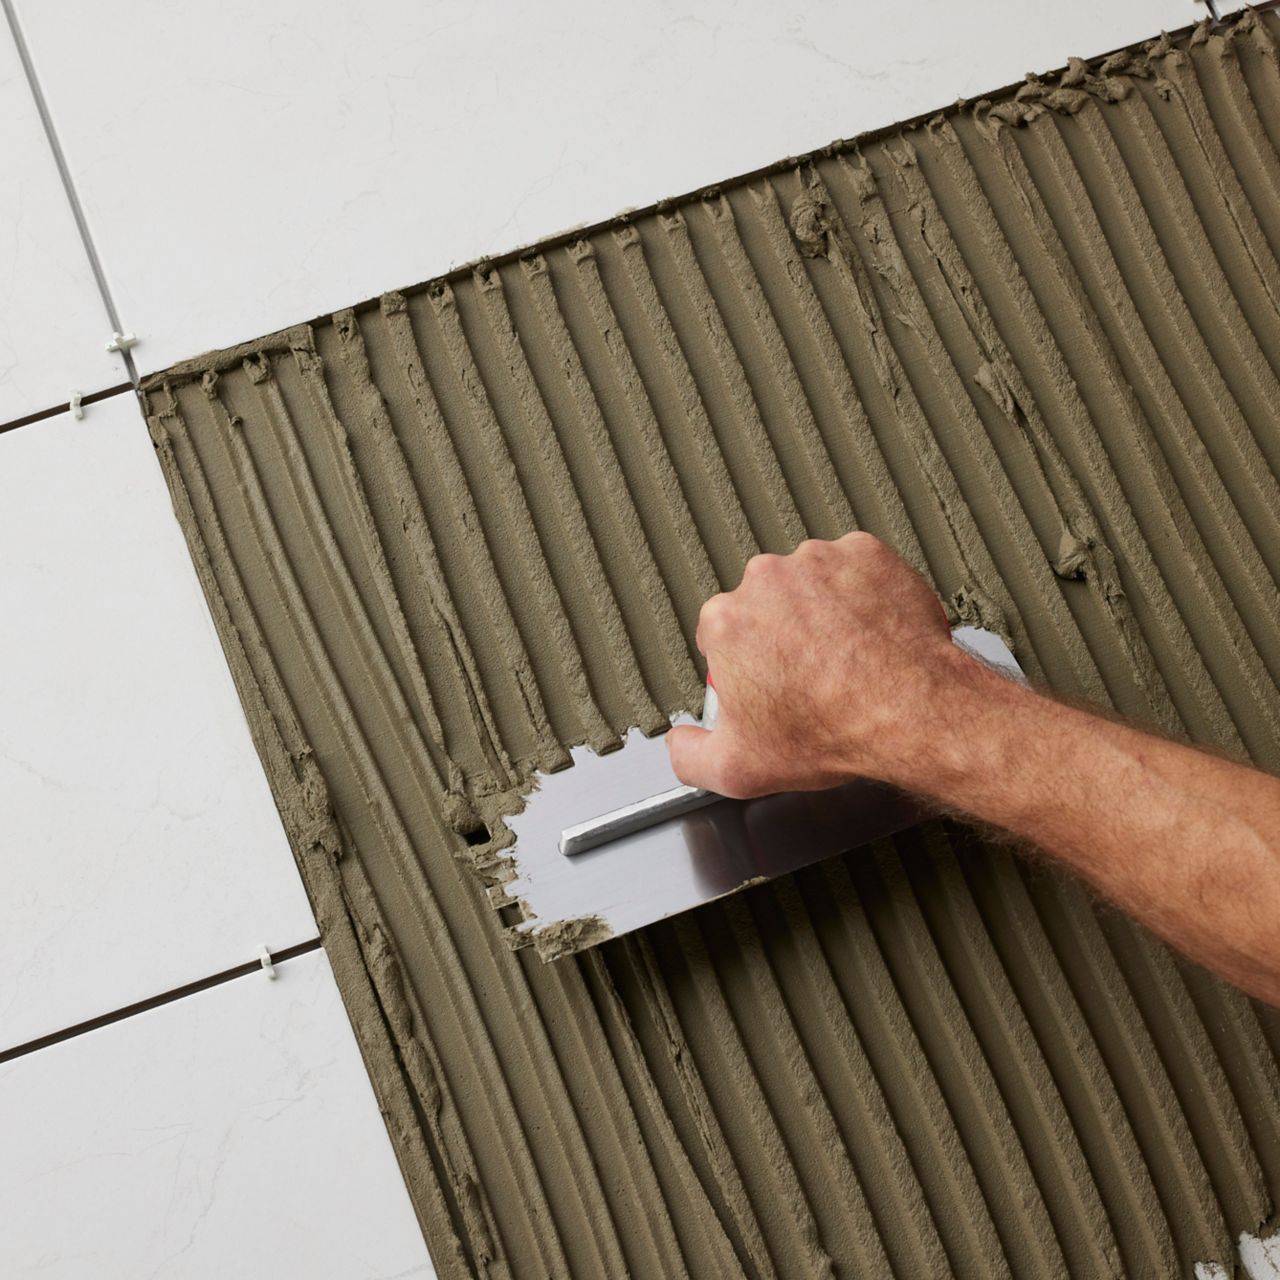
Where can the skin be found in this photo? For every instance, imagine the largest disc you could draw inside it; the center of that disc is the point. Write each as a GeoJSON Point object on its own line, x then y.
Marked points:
{"type": "Point", "coordinates": [836, 662]}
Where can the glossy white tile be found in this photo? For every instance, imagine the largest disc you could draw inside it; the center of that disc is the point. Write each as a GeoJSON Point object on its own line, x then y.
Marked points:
{"type": "Point", "coordinates": [1260, 1257]}
{"type": "Point", "coordinates": [247, 166]}
{"type": "Point", "coordinates": [53, 325]}
{"type": "Point", "coordinates": [142, 846]}
{"type": "Point", "coordinates": [230, 1133]}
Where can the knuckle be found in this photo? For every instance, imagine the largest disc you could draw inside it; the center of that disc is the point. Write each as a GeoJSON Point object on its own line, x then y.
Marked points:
{"type": "Point", "coordinates": [819, 551]}
{"type": "Point", "coordinates": [761, 565]}
{"type": "Point", "coordinates": [860, 539]}
{"type": "Point", "coordinates": [711, 618]}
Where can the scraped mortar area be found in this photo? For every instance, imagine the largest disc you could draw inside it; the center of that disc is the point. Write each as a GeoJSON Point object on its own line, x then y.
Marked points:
{"type": "Point", "coordinates": [451, 535]}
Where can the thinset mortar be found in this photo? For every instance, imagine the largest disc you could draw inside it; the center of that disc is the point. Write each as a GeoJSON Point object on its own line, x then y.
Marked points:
{"type": "Point", "coordinates": [1032, 343]}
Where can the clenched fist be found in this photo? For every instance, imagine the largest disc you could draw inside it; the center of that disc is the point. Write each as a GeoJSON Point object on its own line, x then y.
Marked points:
{"type": "Point", "coordinates": [825, 662]}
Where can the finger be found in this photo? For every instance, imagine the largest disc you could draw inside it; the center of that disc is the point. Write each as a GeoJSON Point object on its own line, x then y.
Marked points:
{"type": "Point", "coordinates": [710, 618]}
{"type": "Point", "coordinates": [692, 755]}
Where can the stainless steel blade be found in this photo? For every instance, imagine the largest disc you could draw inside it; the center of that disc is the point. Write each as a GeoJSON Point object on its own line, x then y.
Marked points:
{"type": "Point", "coordinates": [648, 873]}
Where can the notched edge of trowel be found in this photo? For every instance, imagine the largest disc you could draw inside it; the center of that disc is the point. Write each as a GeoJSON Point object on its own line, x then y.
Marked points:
{"type": "Point", "coordinates": [552, 939]}
{"type": "Point", "coordinates": [495, 864]}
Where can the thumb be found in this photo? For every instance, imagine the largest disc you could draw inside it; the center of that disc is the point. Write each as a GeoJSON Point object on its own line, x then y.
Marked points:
{"type": "Point", "coordinates": [692, 751]}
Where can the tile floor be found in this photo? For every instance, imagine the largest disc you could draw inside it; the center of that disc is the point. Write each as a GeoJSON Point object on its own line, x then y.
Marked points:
{"type": "Point", "coordinates": [53, 325]}
{"type": "Point", "coordinates": [198, 174]}
{"type": "Point", "coordinates": [152, 854]}
{"type": "Point", "coordinates": [199, 1139]}
{"type": "Point", "coordinates": [319, 152]}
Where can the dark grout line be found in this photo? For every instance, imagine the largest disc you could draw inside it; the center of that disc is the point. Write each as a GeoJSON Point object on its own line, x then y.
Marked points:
{"type": "Point", "coordinates": [68, 185]}
{"type": "Point", "coordinates": [154, 1002]}
{"type": "Point", "coordinates": [44, 415]}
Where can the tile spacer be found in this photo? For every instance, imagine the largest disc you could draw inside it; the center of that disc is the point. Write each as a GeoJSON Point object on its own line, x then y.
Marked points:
{"type": "Point", "coordinates": [76, 405]}
{"type": "Point", "coordinates": [122, 341]}
{"type": "Point", "coordinates": [264, 959]}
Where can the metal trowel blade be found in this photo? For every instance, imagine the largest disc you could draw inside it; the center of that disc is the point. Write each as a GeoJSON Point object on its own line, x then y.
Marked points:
{"type": "Point", "coordinates": [682, 861]}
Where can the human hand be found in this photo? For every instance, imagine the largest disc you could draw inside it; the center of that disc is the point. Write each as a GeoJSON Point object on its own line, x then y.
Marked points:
{"type": "Point", "coordinates": [825, 662]}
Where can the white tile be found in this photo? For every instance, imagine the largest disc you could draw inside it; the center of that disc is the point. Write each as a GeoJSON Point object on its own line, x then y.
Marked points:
{"type": "Point", "coordinates": [142, 848]}
{"type": "Point", "coordinates": [230, 1133]}
{"type": "Point", "coordinates": [247, 166]}
{"type": "Point", "coordinates": [1211, 1271]}
{"type": "Point", "coordinates": [53, 325]}
{"type": "Point", "coordinates": [1261, 1258]}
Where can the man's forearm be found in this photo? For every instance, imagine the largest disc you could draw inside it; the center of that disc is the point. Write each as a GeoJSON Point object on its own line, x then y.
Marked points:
{"type": "Point", "coordinates": [1184, 841]}
{"type": "Point", "coordinates": [837, 661]}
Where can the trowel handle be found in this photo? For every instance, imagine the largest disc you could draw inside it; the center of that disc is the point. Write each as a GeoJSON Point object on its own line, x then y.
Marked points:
{"type": "Point", "coordinates": [710, 705]}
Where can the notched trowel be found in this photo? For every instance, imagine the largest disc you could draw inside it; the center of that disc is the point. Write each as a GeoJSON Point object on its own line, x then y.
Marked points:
{"type": "Point", "coordinates": [615, 842]}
